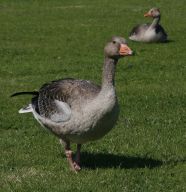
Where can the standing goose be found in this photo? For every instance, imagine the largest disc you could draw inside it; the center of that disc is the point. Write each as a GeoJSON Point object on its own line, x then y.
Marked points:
{"type": "Point", "coordinates": [149, 32]}
{"type": "Point", "coordinates": [79, 111]}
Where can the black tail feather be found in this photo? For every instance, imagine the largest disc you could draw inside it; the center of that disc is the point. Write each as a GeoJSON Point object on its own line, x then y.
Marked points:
{"type": "Point", "coordinates": [25, 93]}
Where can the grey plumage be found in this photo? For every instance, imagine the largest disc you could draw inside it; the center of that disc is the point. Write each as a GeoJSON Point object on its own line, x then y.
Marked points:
{"type": "Point", "coordinates": [66, 90]}
{"type": "Point", "coordinates": [139, 28]}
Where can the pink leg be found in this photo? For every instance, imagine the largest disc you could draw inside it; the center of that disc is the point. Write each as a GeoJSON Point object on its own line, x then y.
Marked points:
{"type": "Point", "coordinates": [70, 160]}
{"type": "Point", "coordinates": [73, 164]}
{"type": "Point", "coordinates": [77, 159]}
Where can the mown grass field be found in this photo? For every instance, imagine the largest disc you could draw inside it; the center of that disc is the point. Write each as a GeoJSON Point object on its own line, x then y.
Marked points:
{"type": "Point", "coordinates": [46, 40]}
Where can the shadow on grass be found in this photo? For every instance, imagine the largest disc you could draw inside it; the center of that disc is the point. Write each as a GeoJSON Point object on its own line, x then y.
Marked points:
{"type": "Point", "coordinates": [103, 160]}
{"type": "Point", "coordinates": [169, 41]}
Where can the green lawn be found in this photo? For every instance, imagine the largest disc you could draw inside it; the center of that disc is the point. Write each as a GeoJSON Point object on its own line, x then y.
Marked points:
{"type": "Point", "coordinates": [45, 40]}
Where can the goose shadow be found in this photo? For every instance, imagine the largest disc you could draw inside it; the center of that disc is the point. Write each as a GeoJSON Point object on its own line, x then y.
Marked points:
{"type": "Point", "coordinates": [169, 41]}
{"type": "Point", "coordinates": [105, 160]}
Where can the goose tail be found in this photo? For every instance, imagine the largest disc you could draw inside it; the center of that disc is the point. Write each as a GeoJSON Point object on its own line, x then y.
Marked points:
{"type": "Point", "coordinates": [29, 107]}
{"type": "Point", "coordinates": [26, 109]}
{"type": "Point", "coordinates": [25, 93]}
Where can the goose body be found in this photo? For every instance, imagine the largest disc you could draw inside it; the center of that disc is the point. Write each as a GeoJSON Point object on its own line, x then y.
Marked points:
{"type": "Point", "coordinates": [79, 111]}
{"type": "Point", "coordinates": [148, 33]}
{"type": "Point", "coordinates": [89, 111]}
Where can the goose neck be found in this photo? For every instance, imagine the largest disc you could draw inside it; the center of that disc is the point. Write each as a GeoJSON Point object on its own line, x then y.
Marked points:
{"type": "Point", "coordinates": [155, 22]}
{"type": "Point", "coordinates": [108, 72]}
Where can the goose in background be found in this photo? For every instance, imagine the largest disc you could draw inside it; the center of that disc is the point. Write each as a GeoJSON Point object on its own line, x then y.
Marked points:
{"type": "Point", "coordinates": [149, 33]}
{"type": "Point", "coordinates": [80, 111]}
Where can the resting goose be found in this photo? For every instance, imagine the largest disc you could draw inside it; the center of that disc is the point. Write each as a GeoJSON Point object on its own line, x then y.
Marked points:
{"type": "Point", "coordinates": [79, 111]}
{"type": "Point", "coordinates": [149, 32]}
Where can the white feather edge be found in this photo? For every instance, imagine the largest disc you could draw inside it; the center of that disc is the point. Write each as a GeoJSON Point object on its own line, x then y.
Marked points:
{"type": "Point", "coordinates": [64, 112]}
{"type": "Point", "coordinates": [63, 115]}
{"type": "Point", "coordinates": [27, 109]}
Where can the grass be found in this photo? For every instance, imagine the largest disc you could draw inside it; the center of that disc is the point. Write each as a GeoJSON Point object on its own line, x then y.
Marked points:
{"type": "Point", "coordinates": [45, 40]}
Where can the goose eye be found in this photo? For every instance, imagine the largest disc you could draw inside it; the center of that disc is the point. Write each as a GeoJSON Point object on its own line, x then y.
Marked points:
{"type": "Point", "coordinates": [114, 42]}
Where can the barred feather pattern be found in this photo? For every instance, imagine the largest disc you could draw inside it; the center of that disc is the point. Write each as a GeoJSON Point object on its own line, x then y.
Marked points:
{"type": "Point", "coordinates": [65, 90]}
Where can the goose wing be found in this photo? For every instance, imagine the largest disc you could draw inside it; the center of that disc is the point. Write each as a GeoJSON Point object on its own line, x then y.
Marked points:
{"type": "Point", "coordinates": [57, 99]}
{"type": "Point", "coordinates": [160, 29]}
{"type": "Point", "coordinates": [139, 29]}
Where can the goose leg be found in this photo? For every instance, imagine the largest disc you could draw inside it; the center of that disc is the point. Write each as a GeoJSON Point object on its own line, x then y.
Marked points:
{"type": "Point", "coordinates": [77, 158]}
{"type": "Point", "coordinates": [68, 152]}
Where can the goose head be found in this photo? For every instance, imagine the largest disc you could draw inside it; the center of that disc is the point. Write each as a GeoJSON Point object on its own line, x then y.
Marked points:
{"type": "Point", "coordinates": [154, 13]}
{"type": "Point", "coordinates": [116, 48]}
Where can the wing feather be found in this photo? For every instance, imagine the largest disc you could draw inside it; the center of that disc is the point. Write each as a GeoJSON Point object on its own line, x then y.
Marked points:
{"type": "Point", "coordinates": [57, 98]}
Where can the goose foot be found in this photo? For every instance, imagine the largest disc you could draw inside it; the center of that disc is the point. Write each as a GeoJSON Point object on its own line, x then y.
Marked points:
{"type": "Point", "coordinates": [74, 166]}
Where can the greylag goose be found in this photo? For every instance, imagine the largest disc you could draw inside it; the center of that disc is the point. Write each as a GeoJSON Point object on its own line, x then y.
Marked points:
{"type": "Point", "coordinates": [79, 111]}
{"type": "Point", "coordinates": [149, 32]}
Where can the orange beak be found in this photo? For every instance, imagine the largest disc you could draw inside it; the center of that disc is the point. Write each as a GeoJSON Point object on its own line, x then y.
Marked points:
{"type": "Point", "coordinates": [125, 50]}
{"type": "Point", "coordinates": [147, 15]}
